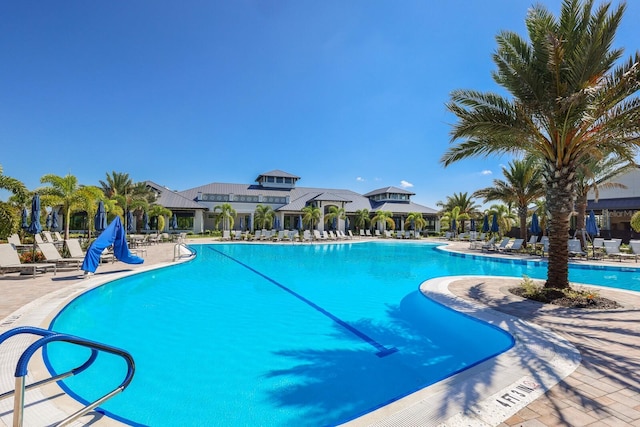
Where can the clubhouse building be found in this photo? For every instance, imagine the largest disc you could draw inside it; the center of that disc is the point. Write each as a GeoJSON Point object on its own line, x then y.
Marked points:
{"type": "Point", "coordinates": [194, 208]}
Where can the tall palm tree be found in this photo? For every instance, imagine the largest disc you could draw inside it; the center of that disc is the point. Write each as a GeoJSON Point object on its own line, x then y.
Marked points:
{"type": "Point", "coordinates": [468, 207]}
{"type": "Point", "coordinates": [311, 215]}
{"type": "Point", "coordinates": [87, 200]}
{"type": "Point", "coordinates": [64, 191]}
{"type": "Point", "coordinates": [226, 214]}
{"type": "Point", "coordinates": [118, 183]}
{"type": "Point", "coordinates": [522, 187]}
{"type": "Point", "coordinates": [505, 215]}
{"type": "Point", "coordinates": [456, 215]}
{"type": "Point", "coordinates": [416, 219]}
{"type": "Point", "coordinates": [263, 216]}
{"type": "Point", "coordinates": [572, 98]}
{"type": "Point", "coordinates": [362, 219]}
{"type": "Point", "coordinates": [161, 213]}
{"type": "Point", "coordinates": [385, 217]}
{"type": "Point", "coordinates": [334, 213]}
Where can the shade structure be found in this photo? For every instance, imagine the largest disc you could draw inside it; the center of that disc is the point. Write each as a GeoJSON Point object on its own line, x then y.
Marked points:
{"type": "Point", "coordinates": [54, 219]}
{"type": "Point", "coordinates": [494, 224]}
{"type": "Point", "coordinates": [472, 227]}
{"type": "Point", "coordinates": [485, 224]}
{"type": "Point", "coordinates": [35, 227]}
{"type": "Point", "coordinates": [101, 217]}
{"type": "Point", "coordinates": [131, 222]}
{"type": "Point", "coordinates": [145, 222]}
{"type": "Point", "coordinates": [535, 225]}
{"type": "Point", "coordinates": [591, 225]}
{"type": "Point", "coordinates": [24, 224]}
{"type": "Point", "coordinates": [174, 222]}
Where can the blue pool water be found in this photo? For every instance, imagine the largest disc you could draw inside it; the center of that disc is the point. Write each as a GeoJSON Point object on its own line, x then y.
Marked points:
{"type": "Point", "coordinates": [279, 335]}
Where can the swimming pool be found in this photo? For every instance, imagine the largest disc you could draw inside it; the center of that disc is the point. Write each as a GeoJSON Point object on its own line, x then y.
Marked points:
{"type": "Point", "coordinates": [280, 335]}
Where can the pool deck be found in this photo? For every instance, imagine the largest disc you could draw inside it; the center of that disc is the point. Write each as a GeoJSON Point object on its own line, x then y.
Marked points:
{"type": "Point", "coordinates": [569, 367]}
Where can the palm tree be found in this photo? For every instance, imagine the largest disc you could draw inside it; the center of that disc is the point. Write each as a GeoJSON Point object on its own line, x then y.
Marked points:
{"type": "Point", "coordinates": [416, 219]}
{"type": "Point", "coordinates": [362, 219]}
{"type": "Point", "coordinates": [523, 186]}
{"type": "Point", "coordinates": [572, 99]}
{"type": "Point", "coordinates": [385, 217]}
{"type": "Point", "coordinates": [64, 191]}
{"type": "Point", "coordinates": [264, 215]}
{"type": "Point", "coordinates": [226, 214]}
{"type": "Point", "coordinates": [87, 200]}
{"type": "Point", "coordinates": [311, 215]}
{"type": "Point", "coordinates": [334, 213]}
{"type": "Point", "coordinates": [468, 207]}
{"type": "Point", "coordinates": [117, 183]}
{"type": "Point", "coordinates": [9, 213]}
{"type": "Point", "coordinates": [454, 214]}
{"type": "Point", "coordinates": [159, 212]}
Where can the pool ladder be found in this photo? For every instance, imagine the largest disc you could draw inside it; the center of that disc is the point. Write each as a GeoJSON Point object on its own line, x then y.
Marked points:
{"type": "Point", "coordinates": [181, 250]}
{"type": "Point", "coordinates": [47, 337]}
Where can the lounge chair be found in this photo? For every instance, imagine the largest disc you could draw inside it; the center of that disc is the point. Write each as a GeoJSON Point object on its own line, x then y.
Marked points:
{"type": "Point", "coordinates": [350, 234]}
{"type": "Point", "coordinates": [362, 233]}
{"type": "Point", "coordinates": [575, 248]}
{"type": "Point", "coordinates": [226, 235]}
{"type": "Point", "coordinates": [10, 260]}
{"type": "Point", "coordinates": [317, 235]}
{"type": "Point", "coordinates": [531, 244]}
{"type": "Point", "coordinates": [387, 234]}
{"type": "Point", "coordinates": [515, 246]}
{"type": "Point", "coordinates": [367, 233]}
{"type": "Point", "coordinates": [612, 248]}
{"type": "Point", "coordinates": [257, 235]}
{"type": "Point", "coordinates": [38, 238]}
{"type": "Point", "coordinates": [306, 236]}
{"type": "Point", "coordinates": [377, 233]}
{"type": "Point", "coordinates": [489, 245]}
{"type": "Point", "coordinates": [14, 239]}
{"type": "Point", "coordinates": [51, 254]}
{"type": "Point", "coordinates": [499, 247]}
{"type": "Point", "coordinates": [75, 251]}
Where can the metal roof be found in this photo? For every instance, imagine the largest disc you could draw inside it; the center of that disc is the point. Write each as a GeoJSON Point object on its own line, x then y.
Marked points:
{"type": "Point", "coordinates": [277, 173]}
{"type": "Point", "coordinates": [387, 190]}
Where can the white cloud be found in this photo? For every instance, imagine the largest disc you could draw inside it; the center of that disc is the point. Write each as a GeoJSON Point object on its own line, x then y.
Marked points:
{"type": "Point", "coordinates": [486, 172]}
{"type": "Point", "coordinates": [405, 184]}
{"type": "Point", "coordinates": [360, 179]}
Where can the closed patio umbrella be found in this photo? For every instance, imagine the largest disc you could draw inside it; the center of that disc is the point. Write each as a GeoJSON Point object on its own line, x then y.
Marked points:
{"type": "Point", "coordinates": [131, 222]}
{"type": "Point", "coordinates": [485, 224]}
{"type": "Point", "coordinates": [174, 222]}
{"type": "Point", "coordinates": [535, 225]}
{"type": "Point", "coordinates": [592, 228]}
{"type": "Point", "coordinates": [101, 217]}
{"type": "Point", "coordinates": [48, 221]}
{"type": "Point", "coordinates": [24, 220]}
{"type": "Point", "coordinates": [35, 227]}
{"type": "Point", "coordinates": [472, 227]}
{"type": "Point", "coordinates": [346, 224]}
{"type": "Point", "coordinates": [453, 225]}
{"type": "Point", "coordinates": [494, 224]}
{"type": "Point", "coordinates": [145, 222]}
{"type": "Point", "coordinates": [54, 220]}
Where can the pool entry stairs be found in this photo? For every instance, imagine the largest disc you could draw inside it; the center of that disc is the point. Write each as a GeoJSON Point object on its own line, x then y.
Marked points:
{"type": "Point", "coordinates": [46, 337]}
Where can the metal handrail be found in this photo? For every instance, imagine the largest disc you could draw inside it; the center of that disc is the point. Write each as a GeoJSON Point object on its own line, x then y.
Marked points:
{"type": "Point", "coordinates": [176, 251]}
{"type": "Point", "coordinates": [52, 336]}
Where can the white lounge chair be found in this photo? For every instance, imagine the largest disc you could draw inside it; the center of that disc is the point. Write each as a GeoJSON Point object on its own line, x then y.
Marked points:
{"type": "Point", "coordinates": [306, 236]}
{"type": "Point", "coordinates": [75, 251]}
{"type": "Point", "coordinates": [10, 261]}
{"type": "Point", "coordinates": [317, 235]}
{"type": "Point", "coordinates": [14, 239]}
{"type": "Point", "coordinates": [367, 233]}
{"type": "Point", "coordinates": [51, 254]}
{"type": "Point", "coordinates": [362, 233]}
{"type": "Point", "coordinates": [350, 234]}
{"type": "Point", "coordinates": [489, 245]}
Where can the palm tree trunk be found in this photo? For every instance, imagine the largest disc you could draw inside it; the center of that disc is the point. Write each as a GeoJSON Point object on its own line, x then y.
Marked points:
{"type": "Point", "coordinates": [522, 215]}
{"type": "Point", "coordinates": [560, 197]}
{"type": "Point", "coordinates": [581, 207]}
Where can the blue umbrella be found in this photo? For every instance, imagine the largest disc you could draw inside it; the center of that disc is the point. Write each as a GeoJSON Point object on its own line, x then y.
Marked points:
{"type": "Point", "coordinates": [485, 224]}
{"type": "Point", "coordinates": [346, 224]}
{"type": "Point", "coordinates": [35, 227]}
{"type": "Point", "coordinates": [249, 223]}
{"type": "Point", "coordinates": [145, 222]}
{"type": "Point", "coordinates": [535, 225]}
{"type": "Point", "coordinates": [48, 221]}
{"type": "Point", "coordinates": [174, 222]}
{"type": "Point", "coordinates": [473, 225]}
{"type": "Point", "coordinates": [241, 223]}
{"type": "Point", "coordinates": [25, 223]}
{"type": "Point", "coordinates": [299, 222]}
{"type": "Point", "coordinates": [101, 217]}
{"type": "Point", "coordinates": [334, 223]}
{"type": "Point", "coordinates": [494, 225]}
{"type": "Point", "coordinates": [591, 225]}
{"type": "Point", "coordinates": [277, 223]}
{"type": "Point", "coordinates": [453, 225]}
{"type": "Point", "coordinates": [54, 219]}
{"type": "Point", "coordinates": [130, 222]}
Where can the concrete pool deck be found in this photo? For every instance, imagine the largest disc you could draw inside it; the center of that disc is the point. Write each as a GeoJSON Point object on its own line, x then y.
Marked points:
{"type": "Point", "coordinates": [588, 360]}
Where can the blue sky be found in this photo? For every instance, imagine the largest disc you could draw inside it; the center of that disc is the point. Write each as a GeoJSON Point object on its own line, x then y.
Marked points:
{"type": "Point", "coordinates": [344, 94]}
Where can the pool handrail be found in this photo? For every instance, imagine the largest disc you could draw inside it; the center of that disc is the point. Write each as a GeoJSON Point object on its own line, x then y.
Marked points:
{"type": "Point", "coordinates": [52, 336]}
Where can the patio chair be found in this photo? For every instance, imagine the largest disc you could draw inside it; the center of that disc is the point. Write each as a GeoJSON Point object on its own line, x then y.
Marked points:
{"type": "Point", "coordinates": [612, 249]}
{"type": "Point", "coordinates": [306, 236]}
{"type": "Point", "coordinates": [38, 238]}
{"type": "Point", "coordinates": [51, 254]}
{"type": "Point", "coordinates": [515, 246]}
{"type": "Point", "coordinates": [362, 233]}
{"type": "Point", "coordinates": [14, 239]}
{"type": "Point", "coordinates": [575, 248]}
{"type": "Point", "coordinates": [367, 233]}
{"type": "Point", "coordinates": [10, 260]}
{"type": "Point", "coordinates": [350, 234]}
{"type": "Point", "coordinates": [75, 251]}
{"type": "Point", "coordinates": [226, 235]}
{"type": "Point", "coordinates": [489, 245]}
